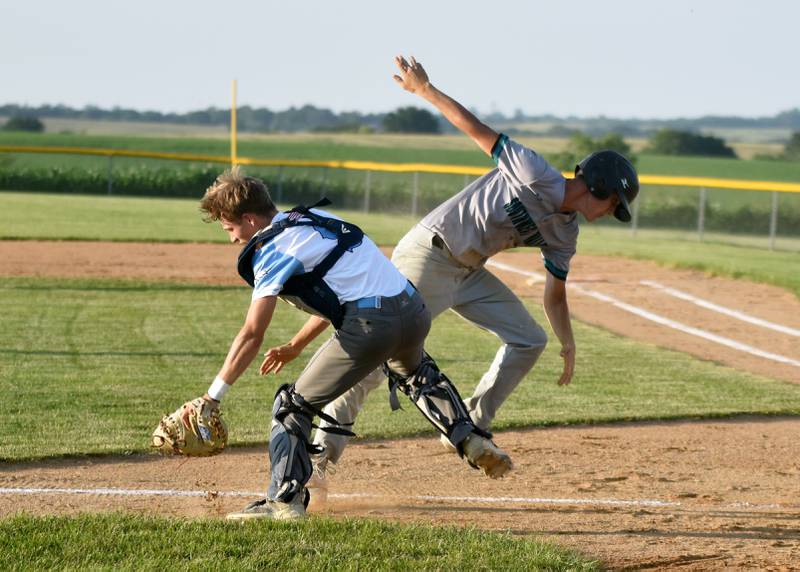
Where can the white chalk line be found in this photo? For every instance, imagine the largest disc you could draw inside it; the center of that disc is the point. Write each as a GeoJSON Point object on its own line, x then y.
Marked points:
{"type": "Point", "coordinates": [653, 317]}
{"type": "Point", "coordinates": [502, 266]}
{"type": "Point", "coordinates": [744, 317]}
{"type": "Point", "coordinates": [459, 499]}
{"type": "Point", "coordinates": [27, 491]}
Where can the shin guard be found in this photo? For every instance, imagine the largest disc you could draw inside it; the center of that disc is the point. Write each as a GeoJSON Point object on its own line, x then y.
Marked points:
{"type": "Point", "coordinates": [437, 398]}
{"type": "Point", "coordinates": [289, 445]}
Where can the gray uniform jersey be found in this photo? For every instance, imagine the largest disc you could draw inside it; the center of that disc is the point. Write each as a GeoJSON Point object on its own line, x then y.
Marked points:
{"type": "Point", "coordinates": [516, 204]}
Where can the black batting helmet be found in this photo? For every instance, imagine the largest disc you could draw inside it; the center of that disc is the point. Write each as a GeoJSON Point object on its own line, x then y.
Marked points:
{"type": "Point", "coordinates": [607, 173]}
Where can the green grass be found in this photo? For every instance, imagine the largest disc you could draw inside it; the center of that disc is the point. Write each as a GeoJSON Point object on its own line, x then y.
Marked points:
{"type": "Point", "coordinates": [456, 150]}
{"type": "Point", "coordinates": [120, 542]}
{"type": "Point", "coordinates": [57, 217]}
{"type": "Point", "coordinates": [322, 147]}
{"type": "Point", "coordinates": [723, 168]}
{"type": "Point", "coordinates": [86, 217]}
{"type": "Point", "coordinates": [683, 250]}
{"type": "Point", "coordinates": [120, 354]}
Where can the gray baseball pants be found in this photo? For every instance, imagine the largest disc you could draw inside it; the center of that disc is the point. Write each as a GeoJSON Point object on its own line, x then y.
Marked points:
{"type": "Point", "coordinates": [394, 332]}
{"type": "Point", "coordinates": [476, 295]}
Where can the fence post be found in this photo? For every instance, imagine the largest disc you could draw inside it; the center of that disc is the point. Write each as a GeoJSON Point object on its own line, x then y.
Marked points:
{"type": "Point", "coordinates": [367, 182]}
{"type": "Point", "coordinates": [773, 220]}
{"type": "Point", "coordinates": [701, 214]}
{"type": "Point", "coordinates": [635, 218]}
{"type": "Point", "coordinates": [414, 193]}
{"type": "Point", "coordinates": [110, 167]}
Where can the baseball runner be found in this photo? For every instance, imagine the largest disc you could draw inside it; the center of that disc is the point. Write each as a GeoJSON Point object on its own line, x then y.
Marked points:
{"type": "Point", "coordinates": [523, 202]}
{"type": "Point", "coordinates": [331, 269]}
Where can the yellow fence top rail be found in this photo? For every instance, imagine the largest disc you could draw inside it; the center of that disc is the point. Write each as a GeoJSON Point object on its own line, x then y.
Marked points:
{"type": "Point", "coordinates": [659, 180]}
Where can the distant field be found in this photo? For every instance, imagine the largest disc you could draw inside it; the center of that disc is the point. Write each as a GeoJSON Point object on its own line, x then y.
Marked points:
{"type": "Point", "coordinates": [744, 141]}
{"type": "Point", "coordinates": [145, 129]}
{"type": "Point", "coordinates": [455, 150]}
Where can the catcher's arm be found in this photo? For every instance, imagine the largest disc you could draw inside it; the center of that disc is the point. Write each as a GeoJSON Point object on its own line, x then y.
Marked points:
{"type": "Point", "coordinates": [196, 428]}
{"type": "Point", "coordinates": [277, 357]}
{"type": "Point", "coordinates": [247, 343]}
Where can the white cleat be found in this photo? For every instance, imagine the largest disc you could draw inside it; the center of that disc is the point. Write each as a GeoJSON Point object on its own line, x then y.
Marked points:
{"type": "Point", "coordinates": [272, 510]}
{"type": "Point", "coordinates": [482, 453]}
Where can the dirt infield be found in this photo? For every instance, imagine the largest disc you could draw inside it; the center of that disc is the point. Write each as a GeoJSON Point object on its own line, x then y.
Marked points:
{"type": "Point", "coordinates": [687, 495]}
{"type": "Point", "coordinates": [692, 495]}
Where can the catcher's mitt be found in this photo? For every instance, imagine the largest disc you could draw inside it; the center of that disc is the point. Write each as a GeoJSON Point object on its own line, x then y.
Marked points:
{"type": "Point", "coordinates": [195, 429]}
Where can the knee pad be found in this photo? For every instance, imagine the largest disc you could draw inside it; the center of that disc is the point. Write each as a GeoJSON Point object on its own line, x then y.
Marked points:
{"type": "Point", "coordinates": [437, 399]}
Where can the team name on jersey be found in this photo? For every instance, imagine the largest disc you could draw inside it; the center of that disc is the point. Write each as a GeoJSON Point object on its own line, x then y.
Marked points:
{"type": "Point", "coordinates": [522, 221]}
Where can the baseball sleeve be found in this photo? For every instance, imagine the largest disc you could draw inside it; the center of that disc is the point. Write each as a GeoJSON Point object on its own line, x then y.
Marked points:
{"type": "Point", "coordinates": [556, 261]}
{"type": "Point", "coordinates": [520, 165]}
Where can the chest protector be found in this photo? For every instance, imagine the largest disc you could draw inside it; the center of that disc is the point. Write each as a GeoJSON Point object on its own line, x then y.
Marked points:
{"type": "Point", "coordinates": [309, 289]}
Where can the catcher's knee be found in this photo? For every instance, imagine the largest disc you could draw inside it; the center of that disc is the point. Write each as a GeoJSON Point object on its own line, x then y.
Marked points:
{"type": "Point", "coordinates": [437, 399]}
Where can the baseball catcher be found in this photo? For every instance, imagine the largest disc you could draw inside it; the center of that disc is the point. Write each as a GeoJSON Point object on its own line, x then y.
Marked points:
{"type": "Point", "coordinates": [195, 429]}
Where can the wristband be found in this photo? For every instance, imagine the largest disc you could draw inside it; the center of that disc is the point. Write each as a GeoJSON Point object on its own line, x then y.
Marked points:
{"type": "Point", "coordinates": [218, 389]}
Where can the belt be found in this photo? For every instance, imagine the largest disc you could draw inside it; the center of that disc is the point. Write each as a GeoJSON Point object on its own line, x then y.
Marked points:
{"type": "Point", "coordinates": [375, 301]}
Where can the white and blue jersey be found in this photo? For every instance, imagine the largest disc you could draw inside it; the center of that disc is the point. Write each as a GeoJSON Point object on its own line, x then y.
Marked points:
{"type": "Point", "coordinates": [361, 272]}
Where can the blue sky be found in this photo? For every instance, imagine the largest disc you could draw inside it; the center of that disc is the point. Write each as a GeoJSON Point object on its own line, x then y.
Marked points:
{"type": "Point", "coordinates": [616, 58]}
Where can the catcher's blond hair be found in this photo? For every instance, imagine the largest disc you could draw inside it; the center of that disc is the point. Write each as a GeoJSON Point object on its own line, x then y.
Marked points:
{"type": "Point", "coordinates": [234, 194]}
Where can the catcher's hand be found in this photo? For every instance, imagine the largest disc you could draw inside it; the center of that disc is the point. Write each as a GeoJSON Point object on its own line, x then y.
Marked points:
{"type": "Point", "coordinates": [195, 429]}
{"type": "Point", "coordinates": [277, 357]}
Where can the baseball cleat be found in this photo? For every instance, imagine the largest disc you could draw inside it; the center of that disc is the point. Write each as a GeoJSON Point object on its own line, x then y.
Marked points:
{"type": "Point", "coordinates": [483, 454]}
{"type": "Point", "coordinates": [272, 510]}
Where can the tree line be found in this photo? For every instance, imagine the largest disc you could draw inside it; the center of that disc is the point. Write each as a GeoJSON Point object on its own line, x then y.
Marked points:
{"type": "Point", "coordinates": [663, 141]}
{"type": "Point", "coordinates": [311, 118]}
